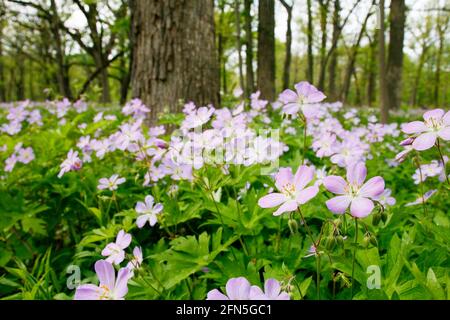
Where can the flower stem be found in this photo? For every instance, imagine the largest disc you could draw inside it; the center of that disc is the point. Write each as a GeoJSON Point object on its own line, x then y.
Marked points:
{"type": "Point", "coordinates": [318, 275]}
{"type": "Point", "coordinates": [421, 185]}
{"type": "Point", "coordinates": [354, 258]}
{"type": "Point", "coordinates": [438, 146]}
{"type": "Point", "coordinates": [304, 141]}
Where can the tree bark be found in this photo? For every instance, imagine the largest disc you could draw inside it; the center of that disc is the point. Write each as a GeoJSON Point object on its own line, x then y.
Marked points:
{"type": "Point", "coordinates": [332, 67]}
{"type": "Point", "coordinates": [323, 42]}
{"type": "Point", "coordinates": [2, 69]}
{"type": "Point", "coordinates": [310, 68]}
{"type": "Point", "coordinates": [394, 68]}
{"type": "Point", "coordinates": [441, 27]}
{"type": "Point", "coordinates": [288, 56]}
{"type": "Point", "coordinates": [372, 72]}
{"type": "Point", "coordinates": [169, 65]}
{"type": "Point", "coordinates": [422, 59]}
{"type": "Point", "coordinates": [266, 49]}
{"type": "Point", "coordinates": [237, 13]}
{"type": "Point", "coordinates": [250, 75]}
{"type": "Point", "coordinates": [384, 108]}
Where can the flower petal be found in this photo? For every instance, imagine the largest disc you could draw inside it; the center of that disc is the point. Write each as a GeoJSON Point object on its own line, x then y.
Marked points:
{"type": "Point", "coordinates": [414, 127]}
{"type": "Point", "coordinates": [435, 114]}
{"type": "Point", "coordinates": [141, 220]}
{"type": "Point", "coordinates": [88, 292]}
{"type": "Point", "coordinates": [216, 295]}
{"type": "Point", "coordinates": [283, 177]}
{"type": "Point", "coordinates": [307, 194]}
{"type": "Point", "coordinates": [272, 288]}
{"type": "Point", "coordinates": [356, 173]}
{"type": "Point", "coordinates": [444, 133]}
{"type": "Point", "coordinates": [335, 184]}
{"type": "Point", "coordinates": [121, 288]}
{"type": "Point", "coordinates": [123, 239]}
{"type": "Point", "coordinates": [310, 110]}
{"type": "Point", "coordinates": [361, 207]}
{"type": "Point", "coordinates": [286, 207]}
{"type": "Point", "coordinates": [372, 188]}
{"type": "Point", "coordinates": [288, 96]}
{"type": "Point", "coordinates": [272, 200]}
{"type": "Point", "coordinates": [424, 141]}
{"type": "Point", "coordinates": [303, 176]}
{"type": "Point", "coordinates": [238, 289]}
{"type": "Point", "coordinates": [105, 273]}
{"type": "Point", "coordinates": [149, 201]}
{"type": "Point", "coordinates": [338, 204]}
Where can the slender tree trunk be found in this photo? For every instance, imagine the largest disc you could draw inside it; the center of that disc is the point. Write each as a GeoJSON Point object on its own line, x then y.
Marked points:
{"type": "Point", "coordinates": [288, 57]}
{"type": "Point", "coordinates": [323, 43]}
{"type": "Point", "coordinates": [352, 60]}
{"type": "Point", "coordinates": [310, 68]}
{"type": "Point", "coordinates": [222, 61]}
{"type": "Point", "coordinates": [384, 107]}
{"type": "Point", "coordinates": [394, 68]}
{"type": "Point", "coordinates": [2, 68]}
{"type": "Point", "coordinates": [250, 76]}
{"type": "Point", "coordinates": [332, 67]}
{"type": "Point", "coordinates": [20, 84]}
{"type": "Point", "coordinates": [237, 13]}
{"type": "Point", "coordinates": [422, 59]}
{"type": "Point", "coordinates": [441, 29]}
{"type": "Point", "coordinates": [169, 66]}
{"type": "Point", "coordinates": [371, 78]}
{"type": "Point", "coordinates": [266, 49]}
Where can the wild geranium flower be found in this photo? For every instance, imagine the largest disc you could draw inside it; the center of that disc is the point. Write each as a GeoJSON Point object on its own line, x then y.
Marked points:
{"type": "Point", "coordinates": [302, 100]}
{"type": "Point", "coordinates": [272, 291]}
{"type": "Point", "coordinates": [354, 193]}
{"type": "Point", "coordinates": [110, 183]}
{"type": "Point", "coordinates": [148, 212]}
{"type": "Point", "coordinates": [26, 155]}
{"type": "Point", "coordinates": [109, 287]}
{"type": "Point", "coordinates": [115, 250]}
{"type": "Point", "coordinates": [385, 198]}
{"type": "Point", "coordinates": [436, 125]}
{"type": "Point", "coordinates": [423, 199]}
{"type": "Point", "coordinates": [293, 190]}
{"type": "Point", "coordinates": [137, 259]}
{"type": "Point", "coordinates": [72, 163]}
{"type": "Point", "coordinates": [241, 289]}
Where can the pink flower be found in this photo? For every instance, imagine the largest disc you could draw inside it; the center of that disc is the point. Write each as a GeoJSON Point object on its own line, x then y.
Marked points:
{"type": "Point", "coordinates": [115, 250]}
{"type": "Point", "coordinates": [353, 193]}
{"type": "Point", "coordinates": [73, 162]}
{"type": "Point", "coordinates": [272, 291]}
{"type": "Point", "coordinates": [147, 212]}
{"type": "Point", "coordinates": [385, 198]}
{"type": "Point", "coordinates": [292, 190]}
{"type": "Point", "coordinates": [110, 183]}
{"type": "Point", "coordinates": [109, 288]}
{"type": "Point", "coordinates": [137, 259]}
{"type": "Point", "coordinates": [26, 155]}
{"type": "Point", "coordinates": [241, 289]}
{"type": "Point", "coordinates": [303, 99]}
{"type": "Point", "coordinates": [436, 125]}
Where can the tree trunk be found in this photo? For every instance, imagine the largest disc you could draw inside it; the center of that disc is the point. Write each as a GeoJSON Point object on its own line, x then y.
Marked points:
{"type": "Point", "coordinates": [237, 13]}
{"type": "Point", "coordinates": [310, 68]}
{"type": "Point", "coordinates": [394, 67]}
{"type": "Point", "coordinates": [222, 60]}
{"type": "Point", "coordinates": [441, 29]}
{"type": "Point", "coordinates": [266, 49]}
{"type": "Point", "coordinates": [169, 65]}
{"type": "Point", "coordinates": [288, 57]}
{"type": "Point", "coordinates": [422, 58]}
{"type": "Point", "coordinates": [334, 56]}
{"type": "Point", "coordinates": [323, 42]}
{"type": "Point", "coordinates": [250, 76]}
{"type": "Point", "coordinates": [371, 78]}
{"type": "Point", "coordinates": [2, 69]}
{"type": "Point", "coordinates": [384, 108]}
{"type": "Point", "coordinates": [352, 60]}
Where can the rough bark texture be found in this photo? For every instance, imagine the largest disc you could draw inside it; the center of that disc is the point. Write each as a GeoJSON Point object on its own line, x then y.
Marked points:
{"type": "Point", "coordinates": [384, 109]}
{"type": "Point", "coordinates": [310, 68]}
{"type": "Point", "coordinates": [237, 13]}
{"type": "Point", "coordinates": [250, 76]}
{"type": "Point", "coordinates": [288, 57]}
{"type": "Point", "coordinates": [372, 69]}
{"type": "Point", "coordinates": [266, 49]}
{"type": "Point", "coordinates": [394, 66]}
{"type": "Point", "coordinates": [169, 65]}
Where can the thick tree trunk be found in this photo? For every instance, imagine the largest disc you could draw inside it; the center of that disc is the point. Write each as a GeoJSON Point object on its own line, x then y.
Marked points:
{"type": "Point", "coordinates": [384, 108]}
{"type": "Point", "coordinates": [394, 68]}
{"type": "Point", "coordinates": [310, 68]}
{"type": "Point", "coordinates": [266, 49]}
{"type": "Point", "coordinates": [332, 67]}
{"type": "Point", "coordinates": [169, 65]}
{"type": "Point", "coordinates": [220, 48]}
{"type": "Point", "coordinates": [237, 13]}
{"type": "Point", "coordinates": [250, 75]}
{"type": "Point", "coordinates": [288, 57]}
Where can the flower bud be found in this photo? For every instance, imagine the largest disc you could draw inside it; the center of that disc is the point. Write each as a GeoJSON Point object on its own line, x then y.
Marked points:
{"type": "Point", "coordinates": [293, 226]}
{"type": "Point", "coordinates": [407, 142]}
{"type": "Point", "coordinates": [376, 218]}
{"type": "Point", "coordinates": [330, 243]}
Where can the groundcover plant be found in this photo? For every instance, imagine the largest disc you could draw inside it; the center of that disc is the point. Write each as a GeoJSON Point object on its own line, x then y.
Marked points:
{"type": "Point", "coordinates": [296, 199]}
